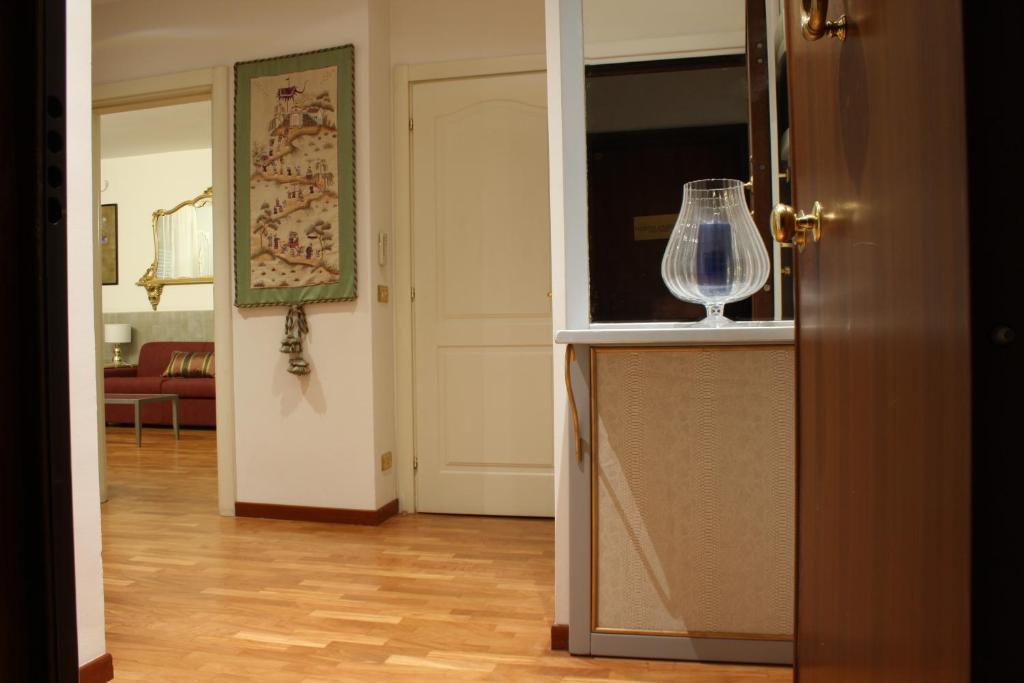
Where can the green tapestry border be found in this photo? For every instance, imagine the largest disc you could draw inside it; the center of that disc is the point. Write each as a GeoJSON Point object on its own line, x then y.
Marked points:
{"type": "Point", "coordinates": [346, 288]}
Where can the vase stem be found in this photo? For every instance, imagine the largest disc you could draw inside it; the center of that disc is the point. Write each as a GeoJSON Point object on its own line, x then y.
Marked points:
{"type": "Point", "coordinates": [716, 316]}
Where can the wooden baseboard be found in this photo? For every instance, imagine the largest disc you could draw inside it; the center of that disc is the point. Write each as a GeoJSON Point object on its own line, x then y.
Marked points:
{"type": "Point", "coordinates": [301, 513]}
{"type": "Point", "coordinates": [99, 670]}
{"type": "Point", "coordinates": [559, 636]}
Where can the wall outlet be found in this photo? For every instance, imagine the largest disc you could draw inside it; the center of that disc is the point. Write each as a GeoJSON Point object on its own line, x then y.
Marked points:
{"type": "Point", "coordinates": [382, 293]}
{"type": "Point", "coordinates": [385, 461]}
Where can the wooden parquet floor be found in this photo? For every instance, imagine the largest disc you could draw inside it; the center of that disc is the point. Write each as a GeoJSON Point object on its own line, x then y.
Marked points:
{"type": "Point", "coordinates": [192, 596]}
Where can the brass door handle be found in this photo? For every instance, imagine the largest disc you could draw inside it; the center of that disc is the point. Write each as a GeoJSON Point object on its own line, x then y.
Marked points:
{"type": "Point", "coordinates": [791, 229]}
{"type": "Point", "coordinates": [814, 21]}
{"type": "Point", "coordinates": [570, 357]}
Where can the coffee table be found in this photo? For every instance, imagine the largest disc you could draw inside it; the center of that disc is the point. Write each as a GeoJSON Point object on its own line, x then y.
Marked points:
{"type": "Point", "coordinates": [137, 400]}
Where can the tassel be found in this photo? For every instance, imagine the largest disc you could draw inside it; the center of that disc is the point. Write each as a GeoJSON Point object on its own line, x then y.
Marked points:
{"type": "Point", "coordinates": [298, 366]}
{"type": "Point", "coordinates": [291, 344]}
{"type": "Point", "coordinates": [295, 326]}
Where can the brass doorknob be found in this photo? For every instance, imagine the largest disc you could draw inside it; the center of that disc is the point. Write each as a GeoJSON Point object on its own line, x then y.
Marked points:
{"type": "Point", "coordinates": [814, 21]}
{"type": "Point", "coordinates": [790, 229]}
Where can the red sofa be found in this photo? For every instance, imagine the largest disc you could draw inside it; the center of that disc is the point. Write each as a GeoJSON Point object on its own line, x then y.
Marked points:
{"type": "Point", "coordinates": [197, 398]}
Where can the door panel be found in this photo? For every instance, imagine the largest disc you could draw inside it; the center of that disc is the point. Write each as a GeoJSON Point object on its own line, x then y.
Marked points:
{"type": "Point", "coordinates": [481, 244]}
{"type": "Point", "coordinates": [883, 353]}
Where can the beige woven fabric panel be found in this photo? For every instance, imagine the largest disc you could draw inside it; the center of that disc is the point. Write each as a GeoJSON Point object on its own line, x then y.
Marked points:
{"type": "Point", "coordinates": [695, 494]}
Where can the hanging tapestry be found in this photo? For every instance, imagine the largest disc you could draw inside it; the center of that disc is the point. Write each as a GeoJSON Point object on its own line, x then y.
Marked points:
{"type": "Point", "coordinates": [295, 238]}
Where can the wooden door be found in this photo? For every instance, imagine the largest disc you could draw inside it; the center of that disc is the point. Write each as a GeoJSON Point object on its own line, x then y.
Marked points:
{"type": "Point", "coordinates": [878, 137]}
{"type": "Point", "coordinates": [38, 632]}
{"type": "Point", "coordinates": [482, 311]}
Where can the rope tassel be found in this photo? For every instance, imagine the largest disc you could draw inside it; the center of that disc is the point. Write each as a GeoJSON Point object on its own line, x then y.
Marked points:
{"type": "Point", "coordinates": [295, 326]}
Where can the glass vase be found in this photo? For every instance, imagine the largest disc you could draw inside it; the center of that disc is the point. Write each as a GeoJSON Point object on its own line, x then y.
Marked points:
{"type": "Point", "coordinates": [715, 254]}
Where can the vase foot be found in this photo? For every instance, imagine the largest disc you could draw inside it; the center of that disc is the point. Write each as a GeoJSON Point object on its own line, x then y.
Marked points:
{"type": "Point", "coordinates": [715, 317]}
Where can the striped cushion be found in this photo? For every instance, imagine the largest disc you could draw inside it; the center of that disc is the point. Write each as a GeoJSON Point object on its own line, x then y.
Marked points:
{"type": "Point", "coordinates": [190, 364]}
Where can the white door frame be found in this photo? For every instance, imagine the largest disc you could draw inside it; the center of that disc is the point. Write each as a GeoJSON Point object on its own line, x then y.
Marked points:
{"type": "Point", "coordinates": [405, 77]}
{"type": "Point", "coordinates": [212, 84]}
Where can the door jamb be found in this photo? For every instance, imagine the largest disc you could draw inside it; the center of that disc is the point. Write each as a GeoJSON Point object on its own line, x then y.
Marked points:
{"type": "Point", "coordinates": [213, 84]}
{"type": "Point", "coordinates": [405, 77]}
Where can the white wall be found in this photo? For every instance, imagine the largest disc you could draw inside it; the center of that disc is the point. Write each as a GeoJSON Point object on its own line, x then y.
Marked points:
{"type": "Point", "coordinates": [82, 351]}
{"type": "Point", "coordinates": [381, 275]}
{"type": "Point", "coordinates": [424, 31]}
{"type": "Point", "coordinates": [569, 263]}
{"type": "Point", "coordinates": [139, 185]}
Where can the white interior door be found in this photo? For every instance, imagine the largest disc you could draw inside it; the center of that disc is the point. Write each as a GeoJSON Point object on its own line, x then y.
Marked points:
{"type": "Point", "coordinates": [482, 308]}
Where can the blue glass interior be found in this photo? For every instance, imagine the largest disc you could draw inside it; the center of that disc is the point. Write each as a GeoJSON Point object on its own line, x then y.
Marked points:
{"type": "Point", "coordinates": [714, 258]}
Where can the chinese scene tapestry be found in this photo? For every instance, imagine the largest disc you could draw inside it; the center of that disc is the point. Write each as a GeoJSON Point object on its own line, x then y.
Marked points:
{"type": "Point", "coordinates": [295, 179]}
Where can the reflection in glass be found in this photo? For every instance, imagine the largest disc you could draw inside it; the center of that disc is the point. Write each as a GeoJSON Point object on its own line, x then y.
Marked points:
{"type": "Point", "coordinates": [183, 246]}
{"type": "Point", "coordinates": [651, 127]}
{"type": "Point", "coordinates": [185, 241]}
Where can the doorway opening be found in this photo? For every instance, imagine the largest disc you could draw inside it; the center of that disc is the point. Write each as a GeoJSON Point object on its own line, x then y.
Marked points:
{"type": "Point", "coordinates": [163, 251]}
{"type": "Point", "coordinates": [155, 231]}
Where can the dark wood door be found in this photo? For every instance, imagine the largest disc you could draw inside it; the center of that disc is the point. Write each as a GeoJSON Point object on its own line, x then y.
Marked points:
{"type": "Point", "coordinates": [37, 608]}
{"type": "Point", "coordinates": [878, 137]}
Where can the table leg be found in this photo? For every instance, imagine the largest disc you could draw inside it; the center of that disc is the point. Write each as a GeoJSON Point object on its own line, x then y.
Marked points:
{"type": "Point", "coordinates": [138, 423]}
{"type": "Point", "coordinates": [174, 418]}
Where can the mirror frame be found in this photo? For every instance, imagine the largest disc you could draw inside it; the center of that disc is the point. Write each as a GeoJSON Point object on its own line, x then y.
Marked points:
{"type": "Point", "coordinates": [155, 286]}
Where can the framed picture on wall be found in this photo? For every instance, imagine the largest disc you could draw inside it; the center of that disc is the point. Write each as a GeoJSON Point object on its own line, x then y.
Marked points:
{"type": "Point", "coordinates": [108, 243]}
{"type": "Point", "coordinates": [295, 232]}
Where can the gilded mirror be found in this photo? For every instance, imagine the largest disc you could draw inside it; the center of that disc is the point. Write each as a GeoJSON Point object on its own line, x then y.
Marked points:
{"type": "Point", "coordinates": [182, 246]}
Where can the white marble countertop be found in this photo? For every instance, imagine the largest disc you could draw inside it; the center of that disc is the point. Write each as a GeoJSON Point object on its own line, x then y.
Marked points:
{"type": "Point", "coordinates": [679, 334]}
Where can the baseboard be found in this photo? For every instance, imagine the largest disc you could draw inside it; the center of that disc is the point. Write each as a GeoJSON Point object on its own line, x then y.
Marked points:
{"type": "Point", "coordinates": [559, 636]}
{"type": "Point", "coordinates": [99, 670]}
{"type": "Point", "coordinates": [301, 513]}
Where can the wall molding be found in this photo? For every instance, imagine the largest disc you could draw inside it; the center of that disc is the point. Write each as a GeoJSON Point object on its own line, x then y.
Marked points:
{"type": "Point", "coordinates": [302, 513]}
{"type": "Point", "coordinates": [559, 637]}
{"type": "Point", "coordinates": [99, 670]}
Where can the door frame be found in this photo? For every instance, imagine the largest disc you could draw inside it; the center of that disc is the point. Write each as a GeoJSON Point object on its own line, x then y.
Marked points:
{"type": "Point", "coordinates": [405, 77]}
{"type": "Point", "coordinates": [213, 84]}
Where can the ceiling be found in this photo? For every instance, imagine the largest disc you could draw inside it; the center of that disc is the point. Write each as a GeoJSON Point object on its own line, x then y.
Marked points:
{"type": "Point", "coordinates": [172, 128]}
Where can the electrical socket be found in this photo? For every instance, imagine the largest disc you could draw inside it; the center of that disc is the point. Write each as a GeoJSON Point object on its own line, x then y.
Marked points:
{"type": "Point", "coordinates": [385, 461]}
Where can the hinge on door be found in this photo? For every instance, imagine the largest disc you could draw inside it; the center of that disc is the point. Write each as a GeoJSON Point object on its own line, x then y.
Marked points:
{"type": "Point", "coordinates": [411, 126]}
{"type": "Point", "coordinates": [412, 294]}
{"type": "Point", "coordinates": [415, 463]}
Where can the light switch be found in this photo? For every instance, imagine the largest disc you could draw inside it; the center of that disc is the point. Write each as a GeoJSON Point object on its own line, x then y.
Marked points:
{"type": "Point", "coordinates": [382, 293]}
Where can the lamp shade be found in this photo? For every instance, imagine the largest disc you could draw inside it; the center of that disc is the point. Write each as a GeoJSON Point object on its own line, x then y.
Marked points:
{"type": "Point", "coordinates": [117, 333]}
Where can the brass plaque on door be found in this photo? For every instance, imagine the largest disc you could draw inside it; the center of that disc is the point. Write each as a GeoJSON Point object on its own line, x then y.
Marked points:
{"type": "Point", "coordinates": [653, 227]}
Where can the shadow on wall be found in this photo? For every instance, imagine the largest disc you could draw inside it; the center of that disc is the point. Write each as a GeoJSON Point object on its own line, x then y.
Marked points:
{"type": "Point", "coordinates": [310, 388]}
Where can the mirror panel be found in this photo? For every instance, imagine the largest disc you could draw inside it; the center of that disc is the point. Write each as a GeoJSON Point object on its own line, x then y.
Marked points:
{"type": "Point", "coordinates": [183, 246]}
{"type": "Point", "coordinates": [667, 102]}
